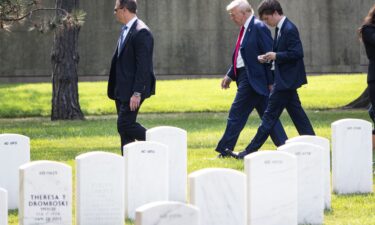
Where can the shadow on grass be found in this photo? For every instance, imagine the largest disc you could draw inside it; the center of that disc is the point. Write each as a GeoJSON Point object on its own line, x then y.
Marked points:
{"type": "Point", "coordinates": [13, 212]}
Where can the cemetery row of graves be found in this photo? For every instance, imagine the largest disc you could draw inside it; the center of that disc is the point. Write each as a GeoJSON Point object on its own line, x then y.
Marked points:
{"type": "Point", "coordinates": [150, 184]}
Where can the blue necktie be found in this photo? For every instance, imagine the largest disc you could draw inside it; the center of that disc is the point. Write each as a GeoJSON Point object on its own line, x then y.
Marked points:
{"type": "Point", "coordinates": [122, 38]}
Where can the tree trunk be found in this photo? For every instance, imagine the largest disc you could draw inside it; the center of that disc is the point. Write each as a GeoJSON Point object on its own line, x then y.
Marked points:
{"type": "Point", "coordinates": [65, 58]}
{"type": "Point", "coordinates": [363, 101]}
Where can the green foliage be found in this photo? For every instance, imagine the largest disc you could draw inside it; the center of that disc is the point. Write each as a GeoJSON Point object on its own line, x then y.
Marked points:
{"type": "Point", "coordinates": [201, 95]}
{"type": "Point", "coordinates": [11, 10]}
{"type": "Point", "coordinates": [42, 18]}
{"type": "Point", "coordinates": [78, 17]}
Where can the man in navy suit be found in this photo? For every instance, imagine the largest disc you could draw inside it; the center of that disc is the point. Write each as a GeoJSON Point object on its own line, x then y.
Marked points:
{"type": "Point", "coordinates": [131, 78]}
{"type": "Point", "coordinates": [254, 80]}
{"type": "Point", "coordinates": [289, 74]}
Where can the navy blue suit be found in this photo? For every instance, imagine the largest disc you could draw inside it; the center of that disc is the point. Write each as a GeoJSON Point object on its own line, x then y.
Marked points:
{"type": "Point", "coordinates": [289, 74]}
{"type": "Point", "coordinates": [252, 86]}
{"type": "Point", "coordinates": [132, 71]}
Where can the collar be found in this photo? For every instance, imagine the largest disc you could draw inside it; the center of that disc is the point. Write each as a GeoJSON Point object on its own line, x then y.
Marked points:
{"type": "Point", "coordinates": [281, 22]}
{"type": "Point", "coordinates": [246, 25]}
{"type": "Point", "coordinates": [131, 22]}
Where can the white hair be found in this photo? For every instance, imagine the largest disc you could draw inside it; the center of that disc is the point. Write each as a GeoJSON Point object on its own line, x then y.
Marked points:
{"type": "Point", "coordinates": [243, 5]}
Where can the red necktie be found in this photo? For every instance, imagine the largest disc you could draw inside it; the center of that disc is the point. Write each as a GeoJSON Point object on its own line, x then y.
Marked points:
{"type": "Point", "coordinates": [238, 44]}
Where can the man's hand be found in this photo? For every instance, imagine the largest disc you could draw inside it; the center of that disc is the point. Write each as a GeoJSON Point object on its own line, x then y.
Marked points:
{"type": "Point", "coordinates": [270, 86]}
{"type": "Point", "coordinates": [262, 59]}
{"type": "Point", "coordinates": [134, 102]}
{"type": "Point", "coordinates": [225, 83]}
{"type": "Point", "coordinates": [270, 56]}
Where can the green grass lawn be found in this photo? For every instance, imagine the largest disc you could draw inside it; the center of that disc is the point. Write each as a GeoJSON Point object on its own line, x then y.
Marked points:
{"type": "Point", "coordinates": [64, 140]}
{"type": "Point", "coordinates": [200, 95]}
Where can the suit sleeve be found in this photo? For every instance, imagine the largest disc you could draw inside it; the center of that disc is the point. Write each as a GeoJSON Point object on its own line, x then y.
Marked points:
{"type": "Point", "coordinates": [368, 35]}
{"type": "Point", "coordinates": [265, 45]}
{"type": "Point", "coordinates": [144, 44]}
{"type": "Point", "coordinates": [294, 50]}
{"type": "Point", "coordinates": [230, 73]}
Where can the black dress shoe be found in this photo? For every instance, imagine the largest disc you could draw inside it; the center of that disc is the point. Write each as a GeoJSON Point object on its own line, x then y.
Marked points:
{"type": "Point", "coordinates": [224, 154]}
{"type": "Point", "coordinates": [241, 155]}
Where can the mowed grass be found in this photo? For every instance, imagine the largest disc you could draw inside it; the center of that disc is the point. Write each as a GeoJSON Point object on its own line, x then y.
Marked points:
{"type": "Point", "coordinates": [207, 105]}
{"type": "Point", "coordinates": [63, 141]}
{"type": "Point", "coordinates": [200, 95]}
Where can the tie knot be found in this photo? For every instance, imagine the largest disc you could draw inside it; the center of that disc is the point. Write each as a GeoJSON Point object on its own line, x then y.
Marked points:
{"type": "Point", "coordinates": [124, 28]}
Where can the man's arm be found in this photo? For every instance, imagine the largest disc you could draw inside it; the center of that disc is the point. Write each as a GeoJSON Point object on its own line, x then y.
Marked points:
{"type": "Point", "coordinates": [265, 45]}
{"type": "Point", "coordinates": [230, 73]}
{"type": "Point", "coordinates": [294, 49]}
{"type": "Point", "coordinates": [143, 45]}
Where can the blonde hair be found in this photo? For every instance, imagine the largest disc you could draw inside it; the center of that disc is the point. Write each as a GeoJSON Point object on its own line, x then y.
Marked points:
{"type": "Point", "coordinates": [243, 5]}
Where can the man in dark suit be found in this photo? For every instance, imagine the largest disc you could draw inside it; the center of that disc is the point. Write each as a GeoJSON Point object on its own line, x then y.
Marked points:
{"type": "Point", "coordinates": [131, 78]}
{"type": "Point", "coordinates": [254, 80]}
{"type": "Point", "coordinates": [289, 75]}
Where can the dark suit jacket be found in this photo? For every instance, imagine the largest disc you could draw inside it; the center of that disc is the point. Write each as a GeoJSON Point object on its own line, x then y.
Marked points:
{"type": "Point", "coordinates": [289, 71]}
{"type": "Point", "coordinates": [368, 37]}
{"type": "Point", "coordinates": [257, 41]}
{"type": "Point", "coordinates": [132, 70]}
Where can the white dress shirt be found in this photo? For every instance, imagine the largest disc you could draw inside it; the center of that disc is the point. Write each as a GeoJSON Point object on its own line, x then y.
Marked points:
{"type": "Point", "coordinates": [279, 25]}
{"type": "Point", "coordinates": [126, 31]}
{"type": "Point", "coordinates": [240, 62]}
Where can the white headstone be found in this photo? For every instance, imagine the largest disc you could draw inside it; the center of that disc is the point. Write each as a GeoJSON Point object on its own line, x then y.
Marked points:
{"type": "Point", "coordinates": [14, 152]}
{"type": "Point", "coordinates": [146, 174]}
{"type": "Point", "coordinates": [310, 181]}
{"type": "Point", "coordinates": [167, 213]}
{"type": "Point", "coordinates": [324, 143]}
{"type": "Point", "coordinates": [3, 207]}
{"type": "Point", "coordinates": [176, 140]}
{"type": "Point", "coordinates": [352, 156]}
{"type": "Point", "coordinates": [271, 188]}
{"type": "Point", "coordinates": [100, 189]}
{"type": "Point", "coordinates": [45, 193]}
{"type": "Point", "coordinates": [220, 196]}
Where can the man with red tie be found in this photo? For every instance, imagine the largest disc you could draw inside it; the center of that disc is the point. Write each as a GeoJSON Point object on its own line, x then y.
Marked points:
{"type": "Point", "coordinates": [289, 75]}
{"type": "Point", "coordinates": [254, 80]}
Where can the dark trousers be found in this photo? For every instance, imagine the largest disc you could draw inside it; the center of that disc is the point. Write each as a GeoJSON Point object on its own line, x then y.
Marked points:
{"type": "Point", "coordinates": [127, 126]}
{"type": "Point", "coordinates": [278, 101]}
{"type": "Point", "coordinates": [244, 103]}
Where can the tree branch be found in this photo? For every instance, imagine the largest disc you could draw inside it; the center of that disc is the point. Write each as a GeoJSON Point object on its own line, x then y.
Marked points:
{"type": "Point", "coordinates": [9, 19]}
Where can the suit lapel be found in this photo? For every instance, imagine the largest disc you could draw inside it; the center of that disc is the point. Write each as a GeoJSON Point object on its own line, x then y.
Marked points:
{"type": "Point", "coordinates": [248, 32]}
{"type": "Point", "coordinates": [281, 32]}
{"type": "Point", "coordinates": [128, 36]}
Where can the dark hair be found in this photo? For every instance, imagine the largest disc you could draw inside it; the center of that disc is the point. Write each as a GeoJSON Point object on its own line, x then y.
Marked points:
{"type": "Point", "coordinates": [369, 20]}
{"type": "Point", "coordinates": [130, 5]}
{"type": "Point", "coordinates": [268, 7]}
